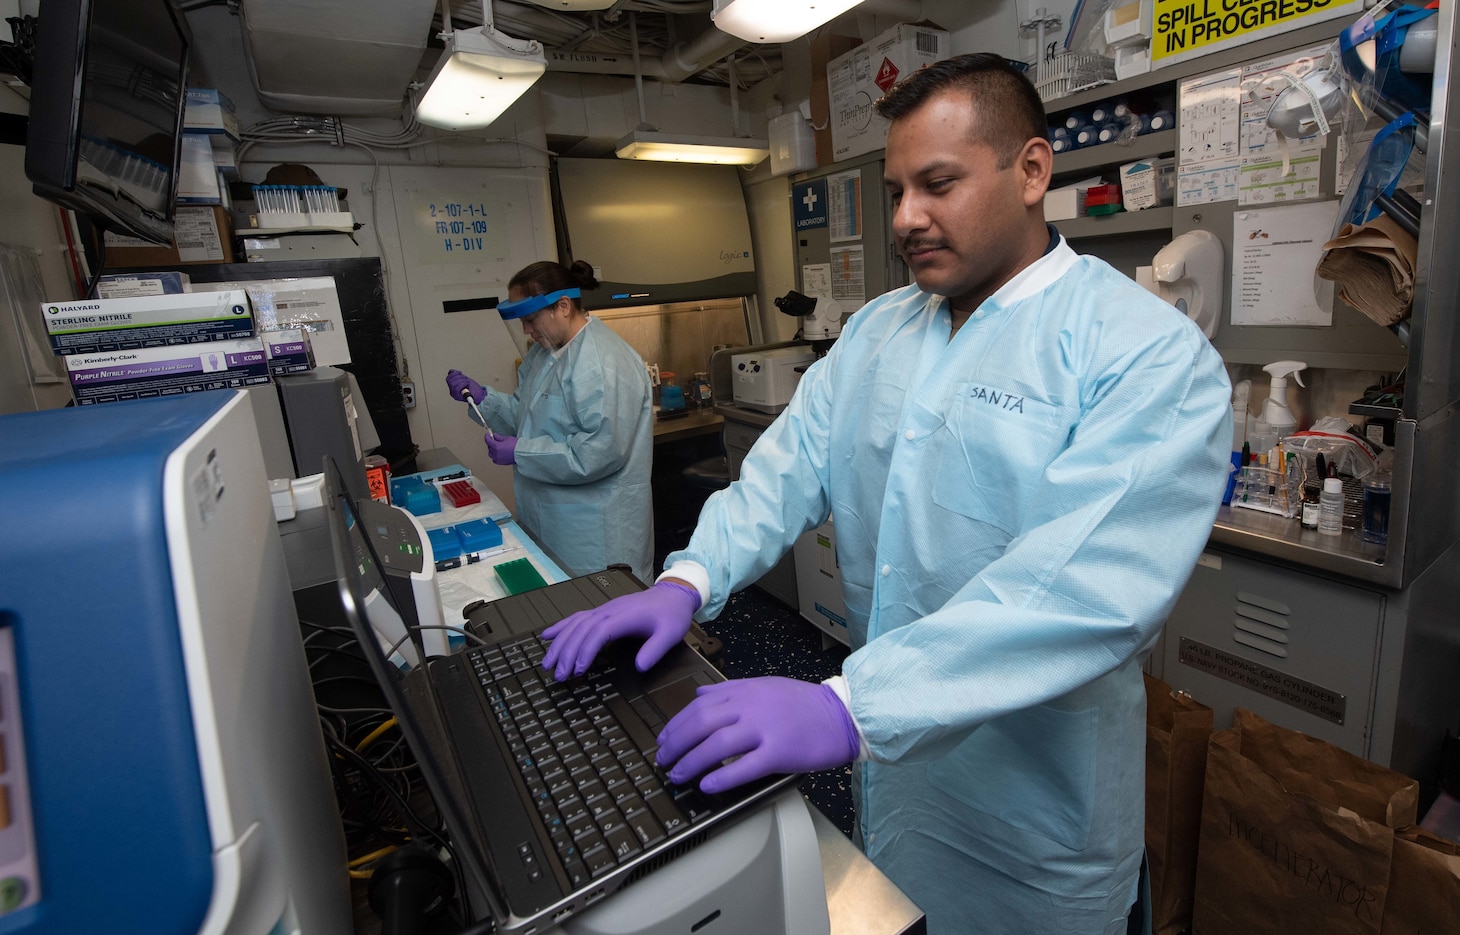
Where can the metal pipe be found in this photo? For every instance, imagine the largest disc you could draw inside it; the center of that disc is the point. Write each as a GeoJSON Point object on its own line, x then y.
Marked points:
{"type": "Point", "coordinates": [638, 75]}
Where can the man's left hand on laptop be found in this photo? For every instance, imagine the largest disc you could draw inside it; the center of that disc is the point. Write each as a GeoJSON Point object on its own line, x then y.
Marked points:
{"type": "Point", "coordinates": [772, 724]}
{"type": "Point", "coordinates": [662, 615]}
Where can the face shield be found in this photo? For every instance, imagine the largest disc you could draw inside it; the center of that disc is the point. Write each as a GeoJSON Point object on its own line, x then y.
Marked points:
{"type": "Point", "coordinates": [513, 312]}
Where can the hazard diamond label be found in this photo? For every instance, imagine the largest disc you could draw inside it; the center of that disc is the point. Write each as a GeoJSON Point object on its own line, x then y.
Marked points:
{"type": "Point", "coordinates": [886, 75]}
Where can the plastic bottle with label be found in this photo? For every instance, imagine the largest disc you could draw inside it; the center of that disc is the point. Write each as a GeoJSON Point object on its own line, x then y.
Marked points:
{"type": "Point", "coordinates": [1330, 507]}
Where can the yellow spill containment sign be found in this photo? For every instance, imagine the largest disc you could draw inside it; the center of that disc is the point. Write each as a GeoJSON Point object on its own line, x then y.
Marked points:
{"type": "Point", "coordinates": [1185, 29]}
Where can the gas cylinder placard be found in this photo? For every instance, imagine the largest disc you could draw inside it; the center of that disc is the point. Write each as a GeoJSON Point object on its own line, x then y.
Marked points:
{"type": "Point", "coordinates": [1185, 29]}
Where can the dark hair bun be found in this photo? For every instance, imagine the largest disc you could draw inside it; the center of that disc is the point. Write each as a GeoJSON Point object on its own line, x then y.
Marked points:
{"type": "Point", "coordinates": [582, 272]}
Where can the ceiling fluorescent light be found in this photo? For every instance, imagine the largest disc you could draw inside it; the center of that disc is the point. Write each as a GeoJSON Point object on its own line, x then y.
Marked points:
{"type": "Point", "coordinates": [680, 147]}
{"type": "Point", "coordinates": [575, 6]}
{"type": "Point", "coordinates": [479, 75]}
{"type": "Point", "coordinates": [775, 20]}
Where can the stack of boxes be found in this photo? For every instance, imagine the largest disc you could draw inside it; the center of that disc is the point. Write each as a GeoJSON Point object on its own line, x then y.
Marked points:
{"type": "Point", "coordinates": [210, 148]}
{"type": "Point", "coordinates": [203, 227]}
{"type": "Point", "coordinates": [150, 338]}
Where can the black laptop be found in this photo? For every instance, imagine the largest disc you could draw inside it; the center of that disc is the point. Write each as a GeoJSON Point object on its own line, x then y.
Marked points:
{"type": "Point", "coordinates": [549, 790]}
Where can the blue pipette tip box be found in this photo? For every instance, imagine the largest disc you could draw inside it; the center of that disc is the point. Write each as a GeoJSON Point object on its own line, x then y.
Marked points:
{"type": "Point", "coordinates": [415, 496]}
{"type": "Point", "coordinates": [478, 535]}
{"type": "Point", "coordinates": [445, 547]}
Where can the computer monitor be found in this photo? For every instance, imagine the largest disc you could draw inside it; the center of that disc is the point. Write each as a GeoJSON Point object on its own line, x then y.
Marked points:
{"type": "Point", "coordinates": [106, 110]}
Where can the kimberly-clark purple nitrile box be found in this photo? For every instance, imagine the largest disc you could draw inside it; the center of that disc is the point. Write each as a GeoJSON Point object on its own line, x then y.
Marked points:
{"type": "Point", "coordinates": [289, 351]}
{"type": "Point", "coordinates": [108, 376]}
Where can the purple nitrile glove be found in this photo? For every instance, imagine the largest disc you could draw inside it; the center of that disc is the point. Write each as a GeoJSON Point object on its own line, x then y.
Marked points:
{"type": "Point", "coordinates": [502, 448]}
{"type": "Point", "coordinates": [773, 724]}
{"type": "Point", "coordinates": [456, 381]}
{"type": "Point", "coordinates": [661, 614]}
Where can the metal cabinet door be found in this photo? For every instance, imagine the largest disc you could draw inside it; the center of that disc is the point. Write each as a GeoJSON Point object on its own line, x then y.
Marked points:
{"type": "Point", "coordinates": [1296, 648]}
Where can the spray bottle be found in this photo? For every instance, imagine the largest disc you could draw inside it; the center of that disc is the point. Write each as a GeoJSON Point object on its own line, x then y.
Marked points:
{"type": "Point", "coordinates": [1275, 411]}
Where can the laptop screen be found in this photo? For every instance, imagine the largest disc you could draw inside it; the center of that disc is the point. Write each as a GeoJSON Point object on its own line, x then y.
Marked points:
{"type": "Point", "coordinates": [375, 619]}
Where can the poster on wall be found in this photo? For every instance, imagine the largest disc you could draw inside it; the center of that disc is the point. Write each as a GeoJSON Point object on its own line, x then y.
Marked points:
{"type": "Point", "coordinates": [1210, 126]}
{"type": "Point", "coordinates": [1186, 29]}
{"type": "Point", "coordinates": [1274, 254]}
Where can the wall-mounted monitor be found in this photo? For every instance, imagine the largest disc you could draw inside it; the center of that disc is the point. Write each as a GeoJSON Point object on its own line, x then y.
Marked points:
{"type": "Point", "coordinates": [106, 110]}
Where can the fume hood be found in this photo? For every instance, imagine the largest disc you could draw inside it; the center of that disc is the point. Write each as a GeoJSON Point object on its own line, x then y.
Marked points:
{"type": "Point", "coordinates": [656, 232]}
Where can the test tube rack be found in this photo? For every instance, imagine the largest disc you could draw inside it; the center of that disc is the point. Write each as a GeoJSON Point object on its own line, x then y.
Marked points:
{"type": "Point", "coordinates": [299, 206]}
{"type": "Point", "coordinates": [1268, 490]}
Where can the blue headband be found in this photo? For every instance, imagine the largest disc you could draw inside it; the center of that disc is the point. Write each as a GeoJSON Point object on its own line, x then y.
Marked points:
{"type": "Point", "coordinates": [533, 303]}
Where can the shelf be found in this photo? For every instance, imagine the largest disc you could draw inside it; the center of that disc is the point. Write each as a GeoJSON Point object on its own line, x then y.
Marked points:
{"type": "Point", "coordinates": [1114, 154]}
{"type": "Point", "coordinates": [1203, 64]}
{"type": "Point", "coordinates": [1124, 222]}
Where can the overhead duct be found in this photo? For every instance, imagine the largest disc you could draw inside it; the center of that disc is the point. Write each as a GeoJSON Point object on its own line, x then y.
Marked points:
{"type": "Point", "coordinates": [340, 57]}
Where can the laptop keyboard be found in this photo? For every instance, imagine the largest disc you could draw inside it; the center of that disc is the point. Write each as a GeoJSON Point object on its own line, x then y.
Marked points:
{"type": "Point", "coordinates": [587, 758]}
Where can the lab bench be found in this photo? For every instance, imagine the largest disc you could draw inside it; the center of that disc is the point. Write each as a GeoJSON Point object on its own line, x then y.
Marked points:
{"type": "Point", "coordinates": [1316, 633]}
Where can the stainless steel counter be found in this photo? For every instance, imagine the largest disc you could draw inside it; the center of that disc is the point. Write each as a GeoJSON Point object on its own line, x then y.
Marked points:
{"type": "Point", "coordinates": [1273, 536]}
{"type": "Point", "coordinates": [860, 900]}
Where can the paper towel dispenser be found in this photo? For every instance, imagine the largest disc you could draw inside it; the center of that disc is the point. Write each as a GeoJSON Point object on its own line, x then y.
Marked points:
{"type": "Point", "coordinates": [657, 232]}
{"type": "Point", "coordinates": [1188, 273]}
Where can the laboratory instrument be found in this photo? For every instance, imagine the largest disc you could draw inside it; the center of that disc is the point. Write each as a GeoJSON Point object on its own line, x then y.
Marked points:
{"type": "Point", "coordinates": [765, 380]}
{"type": "Point", "coordinates": [821, 317]}
{"type": "Point", "coordinates": [163, 758]}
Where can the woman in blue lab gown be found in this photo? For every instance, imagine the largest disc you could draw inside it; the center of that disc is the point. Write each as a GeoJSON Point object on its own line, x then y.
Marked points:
{"type": "Point", "coordinates": [579, 429]}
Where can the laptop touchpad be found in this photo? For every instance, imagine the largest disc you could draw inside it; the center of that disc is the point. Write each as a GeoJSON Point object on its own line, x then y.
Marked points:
{"type": "Point", "coordinates": [676, 696]}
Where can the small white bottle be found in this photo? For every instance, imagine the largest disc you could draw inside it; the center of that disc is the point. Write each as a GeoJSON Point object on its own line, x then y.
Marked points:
{"type": "Point", "coordinates": [1330, 507]}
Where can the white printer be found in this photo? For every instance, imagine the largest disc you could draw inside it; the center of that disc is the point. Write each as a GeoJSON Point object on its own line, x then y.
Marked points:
{"type": "Point", "coordinates": [765, 380]}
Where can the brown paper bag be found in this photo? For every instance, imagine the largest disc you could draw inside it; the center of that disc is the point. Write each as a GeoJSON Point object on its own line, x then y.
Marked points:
{"type": "Point", "coordinates": [1424, 885]}
{"type": "Point", "coordinates": [1296, 834]}
{"type": "Point", "coordinates": [1177, 731]}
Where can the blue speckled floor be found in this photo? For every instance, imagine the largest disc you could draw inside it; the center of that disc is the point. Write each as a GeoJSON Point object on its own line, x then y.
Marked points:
{"type": "Point", "coordinates": [762, 636]}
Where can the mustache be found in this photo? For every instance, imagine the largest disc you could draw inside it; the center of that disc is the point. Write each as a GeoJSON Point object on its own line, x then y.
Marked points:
{"type": "Point", "coordinates": [915, 245]}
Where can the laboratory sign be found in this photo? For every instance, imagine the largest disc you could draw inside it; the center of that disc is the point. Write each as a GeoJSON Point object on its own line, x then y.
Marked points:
{"type": "Point", "coordinates": [1185, 29]}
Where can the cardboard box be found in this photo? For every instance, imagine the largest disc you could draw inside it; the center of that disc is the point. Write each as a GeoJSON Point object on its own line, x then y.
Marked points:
{"type": "Point", "coordinates": [201, 234]}
{"type": "Point", "coordinates": [210, 111]}
{"type": "Point", "coordinates": [198, 181]}
{"type": "Point", "coordinates": [1068, 202]}
{"type": "Point", "coordinates": [289, 351]}
{"type": "Point", "coordinates": [859, 78]}
{"type": "Point", "coordinates": [95, 325]}
{"type": "Point", "coordinates": [1148, 183]}
{"type": "Point", "coordinates": [311, 303]}
{"type": "Point", "coordinates": [166, 371]}
{"type": "Point", "coordinates": [128, 285]}
{"type": "Point", "coordinates": [824, 47]}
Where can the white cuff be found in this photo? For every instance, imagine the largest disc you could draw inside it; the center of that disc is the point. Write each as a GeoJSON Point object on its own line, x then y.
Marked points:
{"type": "Point", "coordinates": [838, 684]}
{"type": "Point", "coordinates": [694, 573]}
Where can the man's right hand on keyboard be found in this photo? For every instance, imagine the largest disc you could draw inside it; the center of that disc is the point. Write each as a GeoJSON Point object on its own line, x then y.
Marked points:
{"type": "Point", "coordinates": [662, 615]}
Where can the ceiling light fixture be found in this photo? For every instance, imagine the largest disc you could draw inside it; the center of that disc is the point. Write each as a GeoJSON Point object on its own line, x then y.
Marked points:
{"type": "Point", "coordinates": [685, 147]}
{"type": "Point", "coordinates": [775, 20]}
{"type": "Point", "coordinates": [481, 73]}
{"type": "Point", "coordinates": [647, 142]}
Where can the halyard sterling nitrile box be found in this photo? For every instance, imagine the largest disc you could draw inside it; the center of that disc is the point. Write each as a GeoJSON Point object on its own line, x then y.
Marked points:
{"type": "Point", "coordinates": [861, 76]}
{"type": "Point", "coordinates": [166, 371]}
{"type": "Point", "coordinates": [93, 325]}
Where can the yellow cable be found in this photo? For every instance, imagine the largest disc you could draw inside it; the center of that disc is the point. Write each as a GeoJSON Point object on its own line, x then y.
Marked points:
{"type": "Point", "coordinates": [374, 855]}
{"type": "Point", "coordinates": [373, 735]}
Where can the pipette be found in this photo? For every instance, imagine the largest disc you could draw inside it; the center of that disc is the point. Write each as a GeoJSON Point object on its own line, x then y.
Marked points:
{"type": "Point", "coordinates": [466, 395]}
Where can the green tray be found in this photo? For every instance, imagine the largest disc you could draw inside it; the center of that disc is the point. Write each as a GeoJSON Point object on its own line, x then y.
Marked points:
{"type": "Point", "coordinates": [518, 575]}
